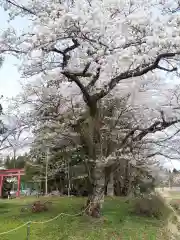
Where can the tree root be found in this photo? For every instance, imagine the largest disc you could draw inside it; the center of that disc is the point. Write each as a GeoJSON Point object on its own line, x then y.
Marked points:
{"type": "Point", "coordinates": [92, 209]}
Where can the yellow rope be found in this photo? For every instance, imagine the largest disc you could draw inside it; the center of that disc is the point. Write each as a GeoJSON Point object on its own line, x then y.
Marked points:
{"type": "Point", "coordinates": [15, 229]}
{"type": "Point", "coordinates": [47, 221]}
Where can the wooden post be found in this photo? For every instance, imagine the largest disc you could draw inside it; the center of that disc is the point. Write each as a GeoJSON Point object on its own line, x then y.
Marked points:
{"type": "Point", "coordinates": [1, 185]}
{"type": "Point", "coordinates": [46, 177]}
{"type": "Point", "coordinates": [28, 231]}
{"type": "Point", "coordinates": [19, 184]}
{"type": "Point", "coordinates": [69, 181]}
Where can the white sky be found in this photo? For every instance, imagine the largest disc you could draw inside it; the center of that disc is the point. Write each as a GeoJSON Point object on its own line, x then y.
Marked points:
{"type": "Point", "coordinates": [9, 76]}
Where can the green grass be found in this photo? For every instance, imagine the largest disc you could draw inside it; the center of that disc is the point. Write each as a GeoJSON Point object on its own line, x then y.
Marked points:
{"type": "Point", "coordinates": [117, 222]}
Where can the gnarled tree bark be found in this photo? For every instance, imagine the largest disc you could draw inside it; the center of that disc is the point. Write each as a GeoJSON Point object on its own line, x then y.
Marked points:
{"type": "Point", "coordinates": [96, 197]}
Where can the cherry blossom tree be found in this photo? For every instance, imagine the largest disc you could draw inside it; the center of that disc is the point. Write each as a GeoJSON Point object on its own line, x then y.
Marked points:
{"type": "Point", "coordinates": [95, 45]}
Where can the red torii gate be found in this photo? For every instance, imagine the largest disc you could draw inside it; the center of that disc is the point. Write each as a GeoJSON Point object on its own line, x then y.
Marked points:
{"type": "Point", "coordinates": [11, 173]}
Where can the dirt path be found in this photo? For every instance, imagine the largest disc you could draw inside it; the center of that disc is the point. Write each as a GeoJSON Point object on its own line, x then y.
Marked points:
{"type": "Point", "coordinates": [172, 226]}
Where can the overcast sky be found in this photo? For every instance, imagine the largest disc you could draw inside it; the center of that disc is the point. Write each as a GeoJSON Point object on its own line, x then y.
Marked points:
{"type": "Point", "coordinates": [9, 77]}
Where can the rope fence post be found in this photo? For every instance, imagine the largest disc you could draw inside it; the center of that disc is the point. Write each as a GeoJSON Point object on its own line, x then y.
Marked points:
{"type": "Point", "coordinates": [28, 231]}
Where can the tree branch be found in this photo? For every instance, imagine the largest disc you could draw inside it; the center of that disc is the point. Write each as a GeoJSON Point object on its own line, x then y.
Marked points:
{"type": "Point", "coordinates": [78, 74]}
{"type": "Point", "coordinates": [155, 127]}
{"type": "Point", "coordinates": [65, 52]}
{"type": "Point", "coordinates": [164, 155]}
{"type": "Point", "coordinates": [167, 70]}
{"type": "Point", "coordinates": [94, 79]}
{"type": "Point", "coordinates": [21, 7]}
{"type": "Point", "coordinates": [137, 72]}
{"type": "Point", "coordinates": [74, 78]}
{"type": "Point", "coordinates": [11, 50]}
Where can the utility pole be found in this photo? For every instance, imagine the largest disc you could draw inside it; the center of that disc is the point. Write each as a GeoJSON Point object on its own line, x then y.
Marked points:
{"type": "Point", "coordinates": [69, 183]}
{"type": "Point", "coordinates": [170, 179]}
{"type": "Point", "coordinates": [14, 161]}
{"type": "Point", "coordinates": [46, 176]}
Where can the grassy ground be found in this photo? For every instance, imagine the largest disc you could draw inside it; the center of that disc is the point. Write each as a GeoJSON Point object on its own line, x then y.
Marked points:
{"type": "Point", "coordinates": [118, 223]}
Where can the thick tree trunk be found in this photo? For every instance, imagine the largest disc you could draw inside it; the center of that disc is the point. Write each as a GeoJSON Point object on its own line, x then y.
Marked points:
{"type": "Point", "coordinates": [96, 197]}
{"type": "Point", "coordinates": [126, 187]}
{"type": "Point", "coordinates": [110, 186]}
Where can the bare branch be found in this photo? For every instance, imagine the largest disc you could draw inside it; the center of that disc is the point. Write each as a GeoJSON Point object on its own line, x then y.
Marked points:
{"type": "Point", "coordinates": [10, 50]}
{"type": "Point", "coordinates": [78, 74]}
{"type": "Point", "coordinates": [137, 72]}
{"type": "Point", "coordinates": [64, 53]}
{"type": "Point", "coordinates": [166, 69]}
{"type": "Point", "coordinates": [21, 7]}
{"type": "Point", "coordinates": [155, 127]}
{"type": "Point", "coordinates": [86, 68]}
{"type": "Point", "coordinates": [168, 138]}
{"type": "Point", "coordinates": [95, 78]}
{"type": "Point", "coordinates": [164, 155]}
{"type": "Point", "coordinates": [73, 78]}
